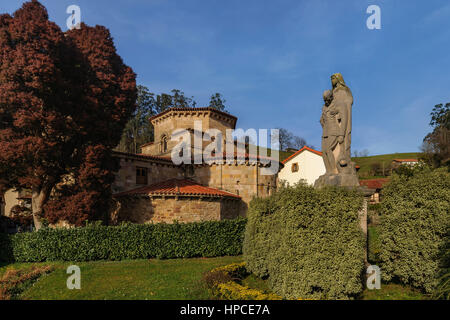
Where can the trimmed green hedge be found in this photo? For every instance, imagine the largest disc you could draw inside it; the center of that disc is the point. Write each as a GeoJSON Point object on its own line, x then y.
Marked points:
{"type": "Point", "coordinates": [415, 228]}
{"type": "Point", "coordinates": [202, 239]}
{"type": "Point", "coordinates": [308, 242]}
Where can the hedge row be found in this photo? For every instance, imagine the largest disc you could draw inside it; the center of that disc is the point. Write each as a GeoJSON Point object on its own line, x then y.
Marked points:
{"type": "Point", "coordinates": [308, 242]}
{"type": "Point", "coordinates": [202, 239]}
{"type": "Point", "coordinates": [414, 230]}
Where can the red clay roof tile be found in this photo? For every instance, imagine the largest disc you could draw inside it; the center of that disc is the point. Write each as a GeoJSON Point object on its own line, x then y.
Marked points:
{"type": "Point", "coordinates": [374, 183]}
{"type": "Point", "coordinates": [143, 156]}
{"type": "Point", "coordinates": [183, 187]}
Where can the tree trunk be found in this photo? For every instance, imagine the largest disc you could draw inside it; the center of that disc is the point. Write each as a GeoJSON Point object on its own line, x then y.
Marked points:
{"type": "Point", "coordinates": [39, 197]}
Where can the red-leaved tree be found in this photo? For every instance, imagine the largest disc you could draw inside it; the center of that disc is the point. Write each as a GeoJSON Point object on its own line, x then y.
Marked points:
{"type": "Point", "coordinates": [64, 101]}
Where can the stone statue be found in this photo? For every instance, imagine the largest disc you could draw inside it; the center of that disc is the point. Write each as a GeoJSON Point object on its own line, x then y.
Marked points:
{"type": "Point", "coordinates": [336, 121]}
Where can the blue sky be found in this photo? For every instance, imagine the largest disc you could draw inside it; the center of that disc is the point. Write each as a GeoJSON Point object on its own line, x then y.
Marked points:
{"type": "Point", "coordinates": [272, 59]}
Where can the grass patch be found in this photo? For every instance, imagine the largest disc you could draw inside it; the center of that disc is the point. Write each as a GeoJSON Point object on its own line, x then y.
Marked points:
{"type": "Point", "coordinates": [385, 159]}
{"type": "Point", "coordinates": [177, 279]}
{"type": "Point", "coordinates": [393, 291]}
{"type": "Point", "coordinates": [374, 245]}
{"type": "Point", "coordinates": [255, 282]}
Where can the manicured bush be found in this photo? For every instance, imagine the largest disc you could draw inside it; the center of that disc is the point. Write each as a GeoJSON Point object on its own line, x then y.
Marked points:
{"type": "Point", "coordinates": [415, 227]}
{"type": "Point", "coordinates": [202, 239]}
{"type": "Point", "coordinates": [308, 242]}
{"type": "Point", "coordinates": [259, 236]}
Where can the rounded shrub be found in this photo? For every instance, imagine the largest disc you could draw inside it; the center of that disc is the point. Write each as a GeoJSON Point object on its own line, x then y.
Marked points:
{"type": "Point", "coordinates": [308, 242]}
{"type": "Point", "coordinates": [415, 227]}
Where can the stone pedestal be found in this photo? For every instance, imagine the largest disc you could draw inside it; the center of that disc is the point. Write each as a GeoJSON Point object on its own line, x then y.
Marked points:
{"type": "Point", "coordinates": [340, 180]}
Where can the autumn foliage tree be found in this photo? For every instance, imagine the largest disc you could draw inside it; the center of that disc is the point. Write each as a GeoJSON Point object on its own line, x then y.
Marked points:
{"type": "Point", "coordinates": [64, 101]}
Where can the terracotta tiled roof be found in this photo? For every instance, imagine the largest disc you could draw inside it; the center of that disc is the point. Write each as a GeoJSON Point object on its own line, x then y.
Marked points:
{"type": "Point", "coordinates": [147, 144]}
{"type": "Point", "coordinates": [406, 160]}
{"type": "Point", "coordinates": [143, 156]}
{"type": "Point", "coordinates": [182, 187]}
{"type": "Point", "coordinates": [169, 160]}
{"type": "Point", "coordinates": [300, 151]}
{"type": "Point", "coordinates": [193, 110]}
{"type": "Point", "coordinates": [374, 183]}
{"type": "Point", "coordinates": [246, 155]}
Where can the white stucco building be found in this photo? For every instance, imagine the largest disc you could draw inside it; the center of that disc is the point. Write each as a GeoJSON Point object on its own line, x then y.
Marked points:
{"type": "Point", "coordinates": [306, 164]}
{"type": "Point", "coordinates": [12, 198]}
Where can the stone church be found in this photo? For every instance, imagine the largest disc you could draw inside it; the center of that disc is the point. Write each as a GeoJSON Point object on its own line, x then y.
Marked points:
{"type": "Point", "coordinates": [149, 187]}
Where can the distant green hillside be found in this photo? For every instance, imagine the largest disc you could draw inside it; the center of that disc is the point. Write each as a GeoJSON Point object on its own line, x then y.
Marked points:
{"type": "Point", "coordinates": [364, 162]}
{"type": "Point", "coordinates": [385, 159]}
{"type": "Point", "coordinates": [283, 154]}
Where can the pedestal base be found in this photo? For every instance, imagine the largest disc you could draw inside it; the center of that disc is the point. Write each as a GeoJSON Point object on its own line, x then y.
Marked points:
{"type": "Point", "coordinates": [339, 180]}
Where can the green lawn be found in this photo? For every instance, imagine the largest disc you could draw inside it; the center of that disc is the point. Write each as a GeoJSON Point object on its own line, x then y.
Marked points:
{"type": "Point", "coordinates": [176, 279]}
{"type": "Point", "coordinates": [254, 282]}
{"type": "Point", "coordinates": [373, 244]}
{"type": "Point", "coordinates": [366, 162]}
{"type": "Point", "coordinates": [393, 291]}
{"type": "Point", "coordinates": [166, 279]}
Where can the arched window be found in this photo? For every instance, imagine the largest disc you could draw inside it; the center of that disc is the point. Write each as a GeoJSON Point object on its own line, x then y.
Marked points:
{"type": "Point", "coordinates": [164, 144]}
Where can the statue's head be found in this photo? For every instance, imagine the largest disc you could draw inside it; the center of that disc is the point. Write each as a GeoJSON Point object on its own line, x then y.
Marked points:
{"type": "Point", "coordinates": [327, 97]}
{"type": "Point", "coordinates": [337, 79]}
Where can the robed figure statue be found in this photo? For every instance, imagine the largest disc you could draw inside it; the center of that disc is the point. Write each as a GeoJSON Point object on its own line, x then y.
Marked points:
{"type": "Point", "coordinates": [336, 121]}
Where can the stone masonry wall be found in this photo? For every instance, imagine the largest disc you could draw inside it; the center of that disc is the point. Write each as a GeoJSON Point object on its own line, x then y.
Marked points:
{"type": "Point", "coordinates": [126, 177]}
{"type": "Point", "coordinates": [167, 124]}
{"type": "Point", "coordinates": [241, 179]}
{"type": "Point", "coordinates": [147, 210]}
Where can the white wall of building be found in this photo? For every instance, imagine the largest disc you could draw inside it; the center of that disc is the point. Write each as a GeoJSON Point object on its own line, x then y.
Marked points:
{"type": "Point", "coordinates": [10, 198]}
{"type": "Point", "coordinates": [310, 167]}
